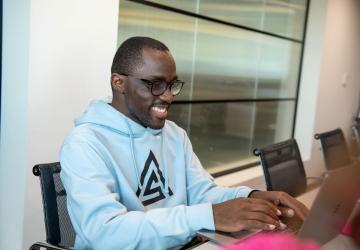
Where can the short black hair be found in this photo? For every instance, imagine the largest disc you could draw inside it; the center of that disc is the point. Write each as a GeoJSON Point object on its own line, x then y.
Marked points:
{"type": "Point", "coordinates": [129, 55]}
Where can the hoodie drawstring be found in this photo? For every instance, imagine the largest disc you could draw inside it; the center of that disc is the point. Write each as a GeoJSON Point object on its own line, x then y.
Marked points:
{"type": "Point", "coordinates": [164, 165]}
{"type": "Point", "coordinates": [133, 154]}
{"type": "Point", "coordinates": [166, 182]}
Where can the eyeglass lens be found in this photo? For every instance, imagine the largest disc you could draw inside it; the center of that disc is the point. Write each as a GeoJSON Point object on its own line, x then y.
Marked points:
{"type": "Point", "coordinates": [160, 88]}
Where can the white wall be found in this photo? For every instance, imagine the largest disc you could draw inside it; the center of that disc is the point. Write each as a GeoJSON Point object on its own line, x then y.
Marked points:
{"type": "Point", "coordinates": [70, 53]}
{"type": "Point", "coordinates": [332, 49]}
{"type": "Point", "coordinates": [337, 103]}
{"type": "Point", "coordinates": [310, 75]}
{"type": "Point", "coordinates": [14, 112]}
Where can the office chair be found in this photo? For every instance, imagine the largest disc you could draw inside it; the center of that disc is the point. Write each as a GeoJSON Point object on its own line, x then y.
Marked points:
{"type": "Point", "coordinates": [283, 167]}
{"type": "Point", "coordinates": [60, 233]}
{"type": "Point", "coordinates": [355, 128]}
{"type": "Point", "coordinates": [335, 151]}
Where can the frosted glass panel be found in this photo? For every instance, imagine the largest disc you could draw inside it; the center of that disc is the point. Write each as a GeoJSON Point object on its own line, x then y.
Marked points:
{"type": "Point", "coordinates": [281, 17]}
{"type": "Point", "coordinates": [240, 90]}
{"type": "Point", "coordinates": [174, 30]}
{"type": "Point", "coordinates": [188, 5]}
{"type": "Point", "coordinates": [224, 134]}
{"type": "Point", "coordinates": [232, 64]}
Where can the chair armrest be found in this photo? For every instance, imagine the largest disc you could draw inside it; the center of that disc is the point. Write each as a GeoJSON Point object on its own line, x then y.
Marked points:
{"type": "Point", "coordinates": [38, 245]}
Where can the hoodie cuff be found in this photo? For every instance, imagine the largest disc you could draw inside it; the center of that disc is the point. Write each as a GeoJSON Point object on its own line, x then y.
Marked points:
{"type": "Point", "coordinates": [200, 216]}
{"type": "Point", "coordinates": [244, 192]}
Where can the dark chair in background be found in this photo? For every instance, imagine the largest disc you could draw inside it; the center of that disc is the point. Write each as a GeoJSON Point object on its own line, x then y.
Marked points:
{"type": "Point", "coordinates": [355, 128]}
{"type": "Point", "coordinates": [59, 230]}
{"type": "Point", "coordinates": [335, 150]}
{"type": "Point", "coordinates": [283, 167]}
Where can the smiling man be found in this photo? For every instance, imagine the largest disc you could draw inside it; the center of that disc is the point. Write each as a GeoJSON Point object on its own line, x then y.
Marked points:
{"type": "Point", "coordinates": [131, 176]}
{"type": "Point", "coordinates": [133, 98]}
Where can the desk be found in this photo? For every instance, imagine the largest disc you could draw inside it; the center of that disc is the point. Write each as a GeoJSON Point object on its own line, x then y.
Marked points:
{"type": "Point", "coordinates": [308, 197]}
{"type": "Point", "coordinates": [340, 242]}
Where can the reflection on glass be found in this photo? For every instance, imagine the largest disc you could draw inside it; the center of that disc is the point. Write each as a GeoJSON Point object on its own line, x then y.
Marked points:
{"type": "Point", "coordinates": [232, 64]}
{"type": "Point", "coordinates": [278, 68]}
{"type": "Point", "coordinates": [174, 30]}
{"type": "Point", "coordinates": [216, 61]}
{"type": "Point", "coordinates": [226, 62]}
{"type": "Point", "coordinates": [273, 122]}
{"type": "Point", "coordinates": [281, 17]}
{"type": "Point", "coordinates": [187, 5]}
{"type": "Point", "coordinates": [247, 13]}
{"type": "Point", "coordinates": [222, 62]}
{"type": "Point", "coordinates": [285, 17]}
{"type": "Point", "coordinates": [223, 134]}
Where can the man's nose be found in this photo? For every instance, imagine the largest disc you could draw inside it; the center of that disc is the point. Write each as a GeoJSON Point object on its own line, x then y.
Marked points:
{"type": "Point", "coordinates": [167, 96]}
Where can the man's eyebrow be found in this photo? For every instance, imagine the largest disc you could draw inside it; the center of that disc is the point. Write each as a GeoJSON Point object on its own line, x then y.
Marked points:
{"type": "Point", "coordinates": [163, 78]}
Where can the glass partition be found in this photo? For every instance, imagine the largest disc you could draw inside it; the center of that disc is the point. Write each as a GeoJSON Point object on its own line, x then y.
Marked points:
{"type": "Point", "coordinates": [224, 134]}
{"type": "Point", "coordinates": [279, 17]}
{"type": "Point", "coordinates": [241, 84]}
{"type": "Point", "coordinates": [231, 63]}
{"type": "Point", "coordinates": [175, 30]}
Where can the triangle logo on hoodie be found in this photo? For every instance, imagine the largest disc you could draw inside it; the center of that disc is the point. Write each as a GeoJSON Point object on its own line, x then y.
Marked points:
{"type": "Point", "coordinates": [152, 181]}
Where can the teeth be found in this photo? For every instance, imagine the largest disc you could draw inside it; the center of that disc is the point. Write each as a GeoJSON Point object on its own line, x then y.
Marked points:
{"type": "Point", "coordinates": [159, 109]}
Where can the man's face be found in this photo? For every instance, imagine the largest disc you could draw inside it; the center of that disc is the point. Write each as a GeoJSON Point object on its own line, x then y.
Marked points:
{"type": "Point", "coordinates": [140, 104]}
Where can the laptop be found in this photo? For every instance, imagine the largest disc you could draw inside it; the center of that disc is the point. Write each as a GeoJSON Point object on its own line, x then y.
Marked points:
{"type": "Point", "coordinates": [329, 212]}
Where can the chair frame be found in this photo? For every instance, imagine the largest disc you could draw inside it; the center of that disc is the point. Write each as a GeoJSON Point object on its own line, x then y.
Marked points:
{"type": "Point", "coordinates": [339, 132]}
{"type": "Point", "coordinates": [52, 224]}
{"type": "Point", "coordinates": [38, 245]}
{"type": "Point", "coordinates": [260, 152]}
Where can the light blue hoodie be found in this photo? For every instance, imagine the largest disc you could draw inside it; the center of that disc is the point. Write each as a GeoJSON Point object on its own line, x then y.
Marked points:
{"type": "Point", "coordinates": [131, 187]}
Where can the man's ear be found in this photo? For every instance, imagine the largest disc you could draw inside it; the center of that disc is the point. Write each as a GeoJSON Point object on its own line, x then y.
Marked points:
{"type": "Point", "coordinates": [118, 82]}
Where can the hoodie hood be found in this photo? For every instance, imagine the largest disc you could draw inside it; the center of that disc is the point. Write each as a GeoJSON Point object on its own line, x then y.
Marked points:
{"type": "Point", "coordinates": [103, 114]}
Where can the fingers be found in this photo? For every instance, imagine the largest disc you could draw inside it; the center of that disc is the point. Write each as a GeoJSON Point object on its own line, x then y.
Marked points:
{"type": "Point", "coordinates": [261, 211]}
{"type": "Point", "coordinates": [292, 206]}
{"type": "Point", "coordinates": [264, 219]}
{"type": "Point", "coordinates": [287, 204]}
{"type": "Point", "coordinates": [265, 207]}
{"type": "Point", "coordinates": [258, 225]}
{"type": "Point", "coordinates": [247, 214]}
{"type": "Point", "coordinates": [287, 212]}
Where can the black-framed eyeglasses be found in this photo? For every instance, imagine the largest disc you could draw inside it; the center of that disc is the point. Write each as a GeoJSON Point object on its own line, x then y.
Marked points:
{"type": "Point", "coordinates": [158, 87]}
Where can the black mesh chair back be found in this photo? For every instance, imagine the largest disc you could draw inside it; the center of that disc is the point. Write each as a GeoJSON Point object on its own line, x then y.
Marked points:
{"type": "Point", "coordinates": [59, 230]}
{"type": "Point", "coordinates": [355, 127]}
{"type": "Point", "coordinates": [335, 151]}
{"type": "Point", "coordinates": [283, 167]}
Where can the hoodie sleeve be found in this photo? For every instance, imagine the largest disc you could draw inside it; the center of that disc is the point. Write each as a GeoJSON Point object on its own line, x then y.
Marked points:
{"type": "Point", "coordinates": [101, 221]}
{"type": "Point", "coordinates": [200, 184]}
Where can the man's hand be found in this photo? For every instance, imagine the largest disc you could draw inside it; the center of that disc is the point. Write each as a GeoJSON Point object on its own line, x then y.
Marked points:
{"type": "Point", "coordinates": [287, 204]}
{"type": "Point", "coordinates": [246, 213]}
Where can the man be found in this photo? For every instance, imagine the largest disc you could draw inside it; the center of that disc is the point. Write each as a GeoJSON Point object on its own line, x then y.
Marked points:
{"type": "Point", "coordinates": [132, 179]}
